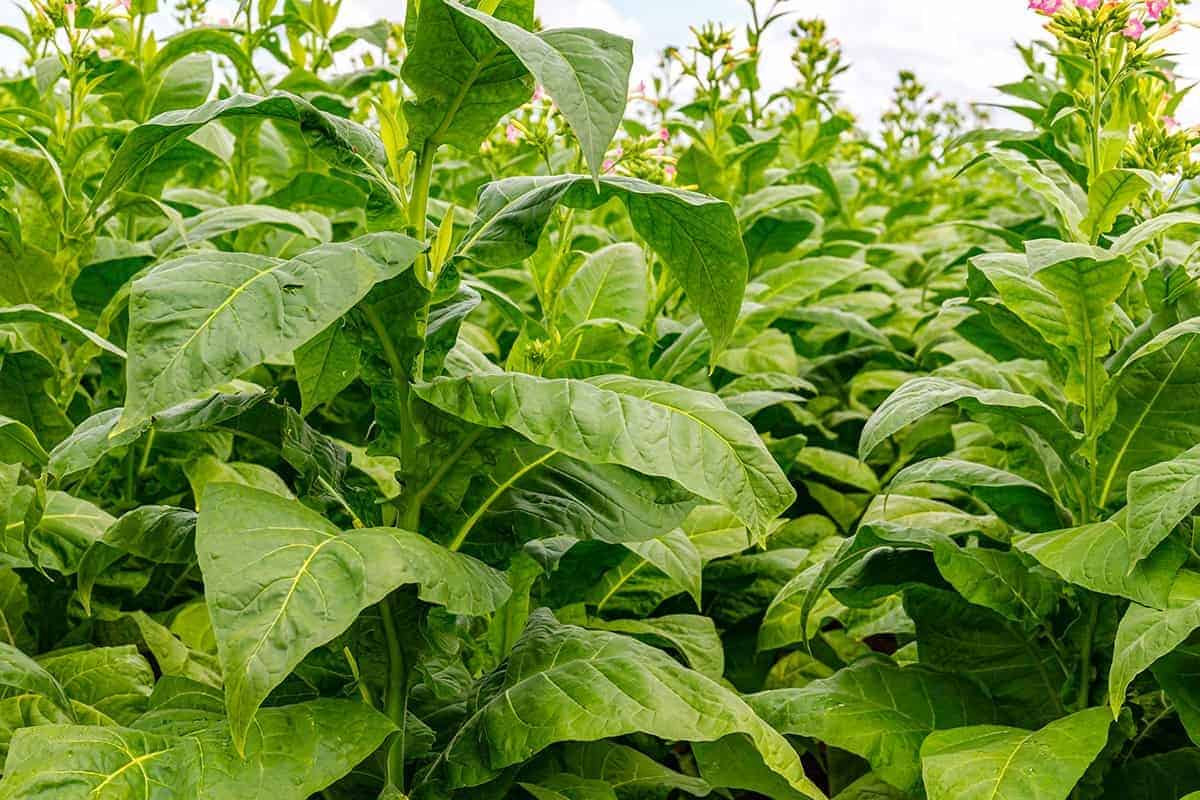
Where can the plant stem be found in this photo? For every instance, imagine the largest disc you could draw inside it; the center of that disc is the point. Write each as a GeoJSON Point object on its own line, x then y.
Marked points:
{"type": "Point", "coordinates": [1092, 610]}
{"type": "Point", "coordinates": [396, 699]}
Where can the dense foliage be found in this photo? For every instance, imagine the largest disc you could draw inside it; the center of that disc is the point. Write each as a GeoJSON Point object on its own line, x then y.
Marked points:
{"type": "Point", "coordinates": [411, 411]}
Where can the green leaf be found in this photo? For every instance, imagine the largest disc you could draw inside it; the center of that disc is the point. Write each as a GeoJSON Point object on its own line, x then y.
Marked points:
{"type": "Point", "coordinates": [699, 443]}
{"type": "Point", "coordinates": [693, 636]}
{"type": "Point", "coordinates": [217, 222]}
{"type": "Point", "coordinates": [585, 71]}
{"type": "Point", "coordinates": [922, 396]}
{"type": "Point", "coordinates": [1151, 229]}
{"type": "Point", "coordinates": [1160, 497]}
{"type": "Point", "coordinates": [326, 365]}
{"type": "Point", "coordinates": [1027, 172]}
{"type": "Point", "coordinates": [1100, 557]}
{"type": "Point", "coordinates": [115, 681]}
{"type": "Point", "coordinates": [879, 711]}
{"type": "Point", "coordinates": [1109, 195]}
{"type": "Point", "coordinates": [343, 143]}
{"type": "Point", "coordinates": [18, 445]}
{"type": "Point", "coordinates": [1023, 676]}
{"type": "Point", "coordinates": [199, 321]}
{"type": "Point", "coordinates": [1087, 281]}
{"type": "Point", "coordinates": [64, 325]}
{"type": "Point", "coordinates": [24, 376]}
{"type": "Point", "coordinates": [19, 671]}
{"type": "Point", "coordinates": [1154, 417]}
{"type": "Point", "coordinates": [280, 581]}
{"type": "Point", "coordinates": [464, 78]}
{"type": "Point", "coordinates": [564, 683]}
{"type": "Point", "coordinates": [1177, 674]}
{"type": "Point", "coordinates": [997, 580]}
{"type": "Point", "coordinates": [292, 753]}
{"type": "Point", "coordinates": [1147, 634]}
{"type": "Point", "coordinates": [991, 762]}
{"type": "Point", "coordinates": [611, 284]}
{"type": "Point", "coordinates": [633, 774]}
{"type": "Point", "coordinates": [695, 235]}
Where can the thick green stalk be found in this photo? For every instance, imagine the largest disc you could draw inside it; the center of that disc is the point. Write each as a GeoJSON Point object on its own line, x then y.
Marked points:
{"type": "Point", "coordinates": [396, 698]}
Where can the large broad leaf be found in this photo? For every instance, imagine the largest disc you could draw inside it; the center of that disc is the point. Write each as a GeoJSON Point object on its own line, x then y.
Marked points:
{"type": "Point", "coordinates": [990, 762]}
{"type": "Point", "coordinates": [464, 78]}
{"type": "Point", "coordinates": [341, 142]}
{"type": "Point", "coordinates": [564, 683]}
{"type": "Point", "coordinates": [585, 71]}
{"type": "Point", "coordinates": [1160, 497]}
{"type": "Point", "coordinates": [695, 235]}
{"type": "Point", "coordinates": [1024, 676]}
{"type": "Point", "coordinates": [922, 396]}
{"type": "Point", "coordinates": [653, 428]}
{"type": "Point", "coordinates": [293, 752]}
{"type": "Point", "coordinates": [879, 711]}
{"type": "Point", "coordinates": [1147, 634]}
{"type": "Point", "coordinates": [199, 321]}
{"type": "Point", "coordinates": [1155, 416]}
{"type": "Point", "coordinates": [1151, 229]}
{"type": "Point", "coordinates": [1100, 557]}
{"type": "Point", "coordinates": [280, 581]}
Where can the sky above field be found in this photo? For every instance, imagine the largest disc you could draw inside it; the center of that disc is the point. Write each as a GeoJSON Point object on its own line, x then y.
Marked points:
{"type": "Point", "coordinates": [959, 49]}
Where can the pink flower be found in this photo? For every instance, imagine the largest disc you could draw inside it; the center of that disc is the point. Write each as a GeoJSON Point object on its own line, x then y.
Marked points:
{"type": "Point", "coordinates": [1047, 7]}
{"type": "Point", "coordinates": [1135, 28]}
{"type": "Point", "coordinates": [609, 164]}
{"type": "Point", "coordinates": [512, 133]}
{"type": "Point", "coordinates": [69, 9]}
{"type": "Point", "coordinates": [1090, 5]}
{"type": "Point", "coordinates": [223, 22]}
{"type": "Point", "coordinates": [1155, 8]}
{"type": "Point", "coordinates": [1170, 123]}
{"type": "Point", "coordinates": [664, 134]}
{"type": "Point", "coordinates": [640, 88]}
{"type": "Point", "coordinates": [125, 4]}
{"type": "Point", "coordinates": [620, 151]}
{"type": "Point", "coordinates": [670, 171]}
{"type": "Point", "coordinates": [539, 93]}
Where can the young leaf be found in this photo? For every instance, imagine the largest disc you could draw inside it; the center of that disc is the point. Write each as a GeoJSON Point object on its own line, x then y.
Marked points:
{"type": "Point", "coordinates": [1109, 195]}
{"type": "Point", "coordinates": [695, 235]}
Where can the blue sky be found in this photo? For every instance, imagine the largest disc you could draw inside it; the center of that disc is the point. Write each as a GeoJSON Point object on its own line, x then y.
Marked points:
{"type": "Point", "coordinates": [959, 48]}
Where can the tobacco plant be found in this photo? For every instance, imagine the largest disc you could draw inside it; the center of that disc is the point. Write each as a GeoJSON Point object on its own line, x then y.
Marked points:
{"type": "Point", "coordinates": [420, 410]}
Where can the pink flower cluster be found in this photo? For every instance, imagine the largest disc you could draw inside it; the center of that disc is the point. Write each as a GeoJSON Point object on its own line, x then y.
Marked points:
{"type": "Point", "coordinates": [1047, 7]}
{"type": "Point", "coordinates": [1155, 8]}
